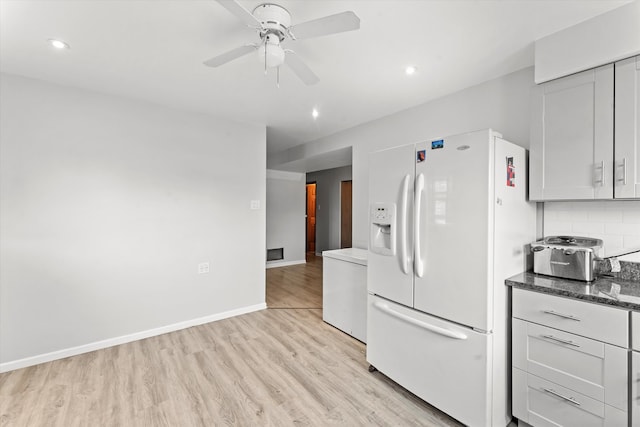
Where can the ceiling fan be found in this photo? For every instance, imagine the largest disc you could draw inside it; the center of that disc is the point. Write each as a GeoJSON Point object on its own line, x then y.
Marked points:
{"type": "Point", "coordinates": [273, 24]}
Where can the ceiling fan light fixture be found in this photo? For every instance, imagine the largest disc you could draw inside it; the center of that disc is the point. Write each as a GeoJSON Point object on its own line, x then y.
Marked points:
{"type": "Point", "coordinates": [273, 57]}
{"type": "Point", "coordinates": [271, 53]}
{"type": "Point", "coordinates": [58, 44]}
{"type": "Point", "coordinates": [273, 24]}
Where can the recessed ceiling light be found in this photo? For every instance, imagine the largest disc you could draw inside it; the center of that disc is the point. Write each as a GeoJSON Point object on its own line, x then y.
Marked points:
{"type": "Point", "coordinates": [315, 113]}
{"type": "Point", "coordinates": [410, 70]}
{"type": "Point", "coordinates": [58, 44]}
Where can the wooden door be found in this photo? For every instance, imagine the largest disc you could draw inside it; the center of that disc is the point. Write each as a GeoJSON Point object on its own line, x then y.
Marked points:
{"type": "Point", "coordinates": [311, 217]}
{"type": "Point", "coordinates": [345, 214]}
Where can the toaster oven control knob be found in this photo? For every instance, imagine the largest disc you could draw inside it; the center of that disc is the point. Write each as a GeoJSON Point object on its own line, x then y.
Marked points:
{"type": "Point", "coordinates": [569, 252]}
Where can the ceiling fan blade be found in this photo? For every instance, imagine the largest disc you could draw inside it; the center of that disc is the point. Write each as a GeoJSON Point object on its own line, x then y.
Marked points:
{"type": "Point", "coordinates": [338, 23]}
{"type": "Point", "coordinates": [300, 69]}
{"type": "Point", "coordinates": [216, 61]}
{"type": "Point", "coordinates": [240, 12]}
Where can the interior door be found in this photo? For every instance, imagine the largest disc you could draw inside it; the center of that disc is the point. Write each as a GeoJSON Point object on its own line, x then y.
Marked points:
{"type": "Point", "coordinates": [452, 229]}
{"type": "Point", "coordinates": [311, 217]}
{"type": "Point", "coordinates": [389, 271]}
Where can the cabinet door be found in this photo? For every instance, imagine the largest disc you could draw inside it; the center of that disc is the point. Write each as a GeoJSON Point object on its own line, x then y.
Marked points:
{"type": "Point", "coordinates": [344, 296]}
{"type": "Point", "coordinates": [543, 403]}
{"type": "Point", "coordinates": [572, 137]}
{"type": "Point", "coordinates": [627, 145]}
{"type": "Point", "coordinates": [589, 367]}
{"type": "Point", "coordinates": [634, 378]}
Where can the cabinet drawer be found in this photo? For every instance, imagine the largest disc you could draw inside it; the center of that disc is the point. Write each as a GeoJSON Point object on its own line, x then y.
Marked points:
{"type": "Point", "coordinates": [592, 368]}
{"type": "Point", "coordinates": [599, 322]}
{"type": "Point", "coordinates": [543, 403]}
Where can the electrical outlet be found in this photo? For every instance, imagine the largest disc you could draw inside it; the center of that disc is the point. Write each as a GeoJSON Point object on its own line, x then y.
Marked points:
{"type": "Point", "coordinates": [255, 204]}
{"type": "Point", "coordinates": [203, 268]}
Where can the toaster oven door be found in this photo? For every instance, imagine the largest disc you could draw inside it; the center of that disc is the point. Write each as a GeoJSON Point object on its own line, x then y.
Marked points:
{"type": "Point", "coordinates": [568, 263]}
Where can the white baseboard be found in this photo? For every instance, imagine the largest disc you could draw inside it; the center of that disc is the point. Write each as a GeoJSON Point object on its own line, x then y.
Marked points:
{"type": "Point", "coordinates": [273, 264]}
{"type": "Point", "coordinates": [98, 345]}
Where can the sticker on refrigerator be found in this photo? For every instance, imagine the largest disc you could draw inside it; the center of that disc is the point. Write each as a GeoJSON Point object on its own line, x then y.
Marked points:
{"type": "Point", "coordinates": [420, 156]}
{"type": "Point", "coordinates": [511, 173]}
{"type": "Point", "coordinates": [437, 144]}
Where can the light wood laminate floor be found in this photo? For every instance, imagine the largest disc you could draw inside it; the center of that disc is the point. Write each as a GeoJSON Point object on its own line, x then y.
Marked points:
{"type": "Point", "coordinates": [275, 367]}
{"type": "Point", "coordinates": [296, 286]}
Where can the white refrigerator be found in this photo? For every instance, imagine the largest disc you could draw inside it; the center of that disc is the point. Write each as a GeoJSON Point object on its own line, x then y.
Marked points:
{"type": "Point", "coordinates": [449, 222]}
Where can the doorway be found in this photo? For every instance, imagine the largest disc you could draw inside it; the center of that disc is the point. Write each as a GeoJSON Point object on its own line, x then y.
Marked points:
{"type": "Point", "coordinates": [311, 218]}
{"type": "Point", "coordinates": [345, 214]}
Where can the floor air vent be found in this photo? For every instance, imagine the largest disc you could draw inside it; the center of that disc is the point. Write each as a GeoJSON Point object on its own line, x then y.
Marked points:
{"type": "Point", "coordinates": [275, 254]}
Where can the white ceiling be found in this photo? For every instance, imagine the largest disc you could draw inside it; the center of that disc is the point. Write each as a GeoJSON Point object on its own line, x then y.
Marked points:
{"type": "Point", "coordinates": [153, 50]}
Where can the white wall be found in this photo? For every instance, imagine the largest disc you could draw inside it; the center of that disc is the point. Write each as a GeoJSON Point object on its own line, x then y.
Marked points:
{"type": "Point", "coordinates": [502, 104]}
{"type": "Point", "coordinates": [601, 40]}
{"type": "Point", "coordinates": [107, 207]}
{"type": "Point", "coordinates": [328, 205]}
{"type": "Point", "coordinates": [286, 223]}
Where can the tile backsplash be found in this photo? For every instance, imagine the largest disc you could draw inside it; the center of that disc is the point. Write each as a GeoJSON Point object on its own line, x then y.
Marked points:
{"type": "Point", "coordinates": [617, 223]}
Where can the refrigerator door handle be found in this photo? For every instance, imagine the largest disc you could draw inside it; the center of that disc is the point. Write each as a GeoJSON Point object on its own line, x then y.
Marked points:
{"type": "Point", "coordinates": [403, 225]}
{"type": "Point", "coordinates": [436, 329]}
{"type": "Point", "coordinates": [418, 264]}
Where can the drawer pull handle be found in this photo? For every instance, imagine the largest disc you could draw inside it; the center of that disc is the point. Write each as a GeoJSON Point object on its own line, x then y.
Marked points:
{"type": "Point", "coordinates": [560, 340]}
{"type": "Point", "coordinates": [568, 399]}
{"type": "Point", "coordinates": [564, 316]}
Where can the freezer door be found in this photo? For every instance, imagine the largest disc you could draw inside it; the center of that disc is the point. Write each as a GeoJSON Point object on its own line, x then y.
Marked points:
{"type": "Point", "coordinates": [445, 364]}
{"type": "Point", "coordinates": [454, 229]}
{"type": "Point", "coordinates": [389, 266]}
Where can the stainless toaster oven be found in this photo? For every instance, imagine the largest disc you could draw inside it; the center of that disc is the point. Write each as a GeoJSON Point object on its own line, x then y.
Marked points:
{"type": "Point", "coordinates": [570, 257]}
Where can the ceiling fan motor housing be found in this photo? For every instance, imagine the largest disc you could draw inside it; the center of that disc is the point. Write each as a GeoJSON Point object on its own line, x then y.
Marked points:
{"type": "Point", "coordinates": [275, 19]}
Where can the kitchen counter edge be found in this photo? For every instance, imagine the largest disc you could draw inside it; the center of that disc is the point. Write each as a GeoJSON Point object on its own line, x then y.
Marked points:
{"type": "Point", "coordinates": [596, 291]}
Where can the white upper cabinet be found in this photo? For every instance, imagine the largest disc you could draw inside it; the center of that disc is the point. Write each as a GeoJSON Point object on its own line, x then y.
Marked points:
{"type": "Point", "coordinates": [627, 128]}
{"type": "Point", "coordinates": [578, 123]}
{"type": "Point", "coordinates": [571, 152]}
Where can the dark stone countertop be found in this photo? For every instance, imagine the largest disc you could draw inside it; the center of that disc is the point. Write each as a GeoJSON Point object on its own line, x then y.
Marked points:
{"type": "Point", "coordinates": [595, 291]}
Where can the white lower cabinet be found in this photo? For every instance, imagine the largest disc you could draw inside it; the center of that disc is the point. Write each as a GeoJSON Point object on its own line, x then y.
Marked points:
{"type": "Point", "coordinates": [539, 402]}
{"type": "Point", "coordinates": [562, 378]}
{"type": "Point", "coordinates": [634, 378]}
{"type": "Point", "coordinates": [344, 291]}
{"type": "Point", "coordinates": [634, 373]}
{"type": "Point", "coordinates": [594, 369]}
